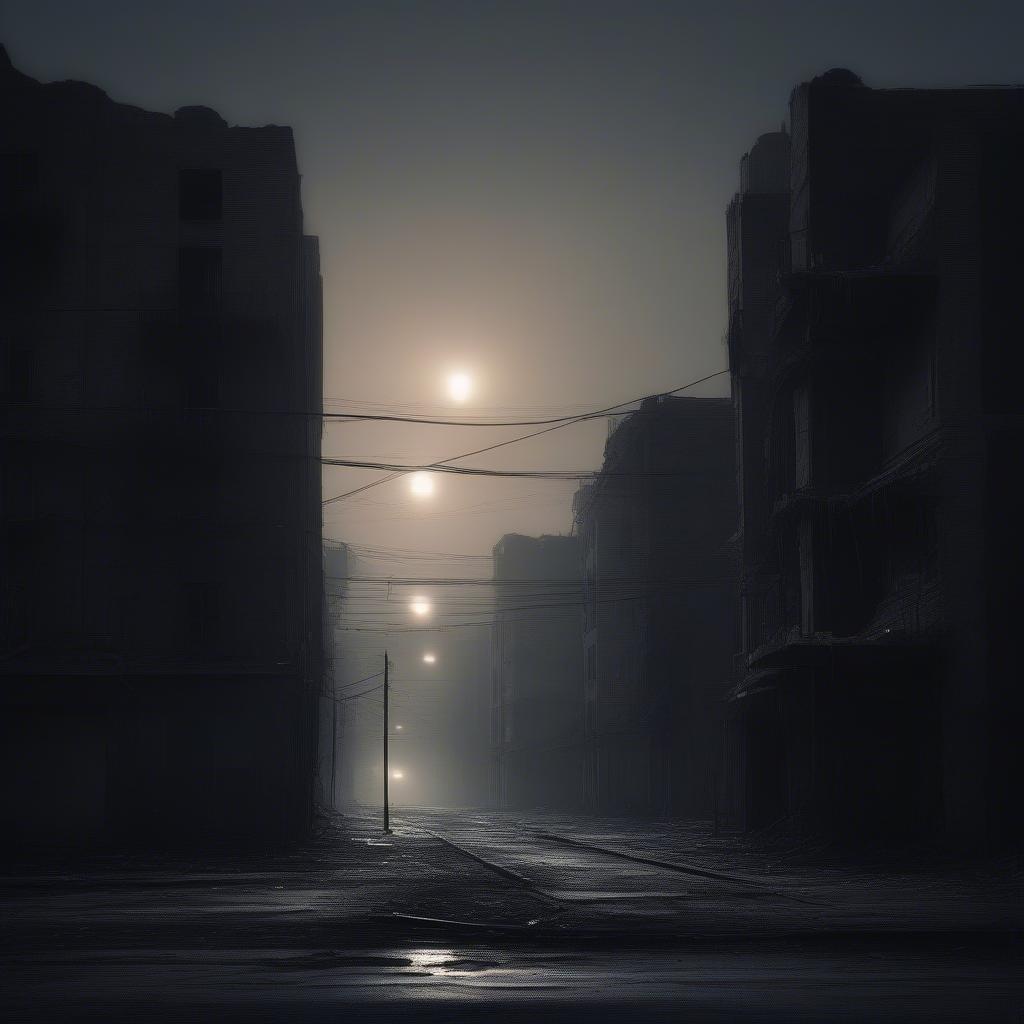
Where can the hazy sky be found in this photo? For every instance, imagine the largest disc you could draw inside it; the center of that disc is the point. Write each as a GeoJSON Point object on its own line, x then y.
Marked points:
{"type": "Point", "coordinates": [534, 191]}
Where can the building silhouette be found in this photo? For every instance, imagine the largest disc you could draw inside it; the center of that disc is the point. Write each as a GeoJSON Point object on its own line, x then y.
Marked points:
{"type": "Point", "coordinates": [659, 606]}
{"type": "Point", "coordinates": [331, 768]}
{"type": "Point", "coordinates": [874, 344]}
{"type": "Point", "coordinates": [160, 552]}
{"type": "Point", "coordinates": [537, 673]}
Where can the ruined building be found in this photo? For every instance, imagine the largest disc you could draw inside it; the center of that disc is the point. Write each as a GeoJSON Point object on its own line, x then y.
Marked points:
{"type": "Point", "coordinates": [874, 338]}
{"type": "Point", "coordinates": [659, 606]}
{"type": "Point", "coordinates": [160, 559]}
{"type": "Point", "coordinates": [537, 673]}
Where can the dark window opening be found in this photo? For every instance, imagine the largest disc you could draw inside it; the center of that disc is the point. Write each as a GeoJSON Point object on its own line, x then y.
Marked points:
{"type": "Point", "coordinates": [199, 279]}
{"type": "Point", "coordinates": [29, 233]}
{"type": "Point", "coordinates": [19, 371]}
{"type": "Point", "coordinates": [200, 354]}
{"type": "Point", "coordinates": [19, 174]}
{"type": "Point", "coordinates": [202, 617]}
{"type": "Point", "coordinates": [202, 386]}
{"type": "Point", "coordinates": [200, 194]}
{"type": "Point", "coordinates": [14, 631]}
{"type": "Point", "coordinates": [912, 544]}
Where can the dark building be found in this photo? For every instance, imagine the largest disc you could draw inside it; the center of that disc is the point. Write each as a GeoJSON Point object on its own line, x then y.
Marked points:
{"type": "Point", "coordinates": [875, 349]}
{"type": "Point", "coordinates": [330, 768]}
{"type": "Point", "coordinates": [659, 606]}
{"type": "Point", "coordinates": [160, 551]}
{"type": "Point", "coordinates": [537, 673]}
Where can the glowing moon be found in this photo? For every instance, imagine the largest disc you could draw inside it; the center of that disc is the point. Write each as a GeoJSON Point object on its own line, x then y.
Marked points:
{"type": "Point", "coordinates": [460, 386]}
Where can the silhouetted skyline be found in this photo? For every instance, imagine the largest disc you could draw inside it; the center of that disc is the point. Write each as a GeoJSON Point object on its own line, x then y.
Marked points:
{"type": "Point", "coordinates": [525, 189]}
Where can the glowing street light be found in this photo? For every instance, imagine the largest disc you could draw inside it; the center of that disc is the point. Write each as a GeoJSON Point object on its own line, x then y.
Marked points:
{"type": "Point", "coordinates": [421, 485]}
{"type": "Point", "coordinates": [398, 775]}
{"type": "Point", "coordinates": [419, 606]}
{"type": "Point", "coordinates": [429, 658]}
{"type": "Point", "coordinates": [399, 728]}
{"type": "Point", "coordinates": [460, 386]}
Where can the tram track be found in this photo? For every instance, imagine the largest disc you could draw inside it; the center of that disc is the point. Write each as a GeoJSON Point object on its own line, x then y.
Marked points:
{"type": "Point", "coordinates": [755, 887]}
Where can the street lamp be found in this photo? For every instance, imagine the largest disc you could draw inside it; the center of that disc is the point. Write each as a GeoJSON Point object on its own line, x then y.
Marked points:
{"type": "Point", "coordinates": [429, 658]}
{"type": "Point", "coordinates": [419, 606]}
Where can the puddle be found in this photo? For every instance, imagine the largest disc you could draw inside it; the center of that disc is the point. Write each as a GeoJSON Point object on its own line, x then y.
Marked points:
{"type": "Point", "coordinates": [444, 961]}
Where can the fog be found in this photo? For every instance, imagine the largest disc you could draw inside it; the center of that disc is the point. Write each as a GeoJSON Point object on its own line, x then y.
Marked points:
{"type": "Point", "coordinates": [529, 193]}
{"type": "Point", "coordinates": [534, 191]}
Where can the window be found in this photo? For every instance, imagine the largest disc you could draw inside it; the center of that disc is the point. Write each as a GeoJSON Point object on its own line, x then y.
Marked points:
{"type": "Point", "coordinates": [200, 194]}
{"type": "Point", "coordinates": [20, 371]}
{"type": "Point", "coordinates": [18, 476]}
{"type": "Point", "coordinates": [199, 279]}
{"type": "Point", "coordinates": [625, 537]}
{"type": "Point", "coordinates": [28, 234]}
{"type": "Point", "coordinates": [202, 385]}
{"type": "Point", "coordinates": [201, 358]}
{"type": "Point", "coordinates": [802, 437]}
{"type": "Point", "coordinates": [13, 615]}
{"type": "Point", "coordinates": [19, 174]}
{"type": "Point", "coordinates": [202, 618]}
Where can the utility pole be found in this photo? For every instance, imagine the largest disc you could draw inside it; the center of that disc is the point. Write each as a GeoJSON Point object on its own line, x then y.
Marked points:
{"type": "Point", "coordinates": [387, 822]}
{"type": "Point", "coordinates": [334, 747]}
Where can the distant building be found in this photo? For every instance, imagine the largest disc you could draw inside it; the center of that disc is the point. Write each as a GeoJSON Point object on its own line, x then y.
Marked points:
{"type": "Point", "coordinates": [160, 559]}
{"type": "Point", "coordinates": [537, 673]}
{"type": "Point", "coordinates": [439, 686]}
{"type": "Point", "coordinates": [875, 326]}
{"type": "Point", "coordinates": [461, 732]}
{"type": "Point", "coordinates": [659, 606]}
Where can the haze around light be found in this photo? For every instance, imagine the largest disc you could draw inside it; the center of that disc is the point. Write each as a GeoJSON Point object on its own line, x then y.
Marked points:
{"type": "Point", "coordinates": [531, 191]}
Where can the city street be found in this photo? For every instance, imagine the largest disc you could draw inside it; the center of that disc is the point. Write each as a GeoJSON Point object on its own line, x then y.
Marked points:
{"type": "Point", "coordinates": [506, 922]}
{"type": "Point", "coordinates": [452, 452]}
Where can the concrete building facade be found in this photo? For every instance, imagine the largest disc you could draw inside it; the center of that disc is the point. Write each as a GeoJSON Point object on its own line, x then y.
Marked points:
{"type": "Point", "coordinates": [331, 770]}
{"type": "Point", "coordinates": [873, 336]}
{"type": "Point", "coordinates": [160, 553]}
{"type": "Point", "coordinates": [659, 607]}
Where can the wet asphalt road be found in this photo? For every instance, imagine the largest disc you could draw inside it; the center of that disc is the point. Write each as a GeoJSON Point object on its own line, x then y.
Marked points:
{"type": "Point", "coordinates": [507, 925]}
{"type": "Point", "coordinates": [459, 980]}
{"type": "Point", "coordinates": [726, 885]}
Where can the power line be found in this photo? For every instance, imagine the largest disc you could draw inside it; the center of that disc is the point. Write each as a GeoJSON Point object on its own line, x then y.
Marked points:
{"type": "Point", "coordinates": [570, 583]}
{"type": "Point", "coordinates": [359, 682]}
{"type": "Point", "coordinates": [571, 418]}
{"type": "Point", "coordinates": [401, 469]}
{"type": "Point", "coordinates": [515, 440]}
{"type": "Point", "coordinates": [351, 696]}
{"type": "Point", "coordinates": [360, 416]}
